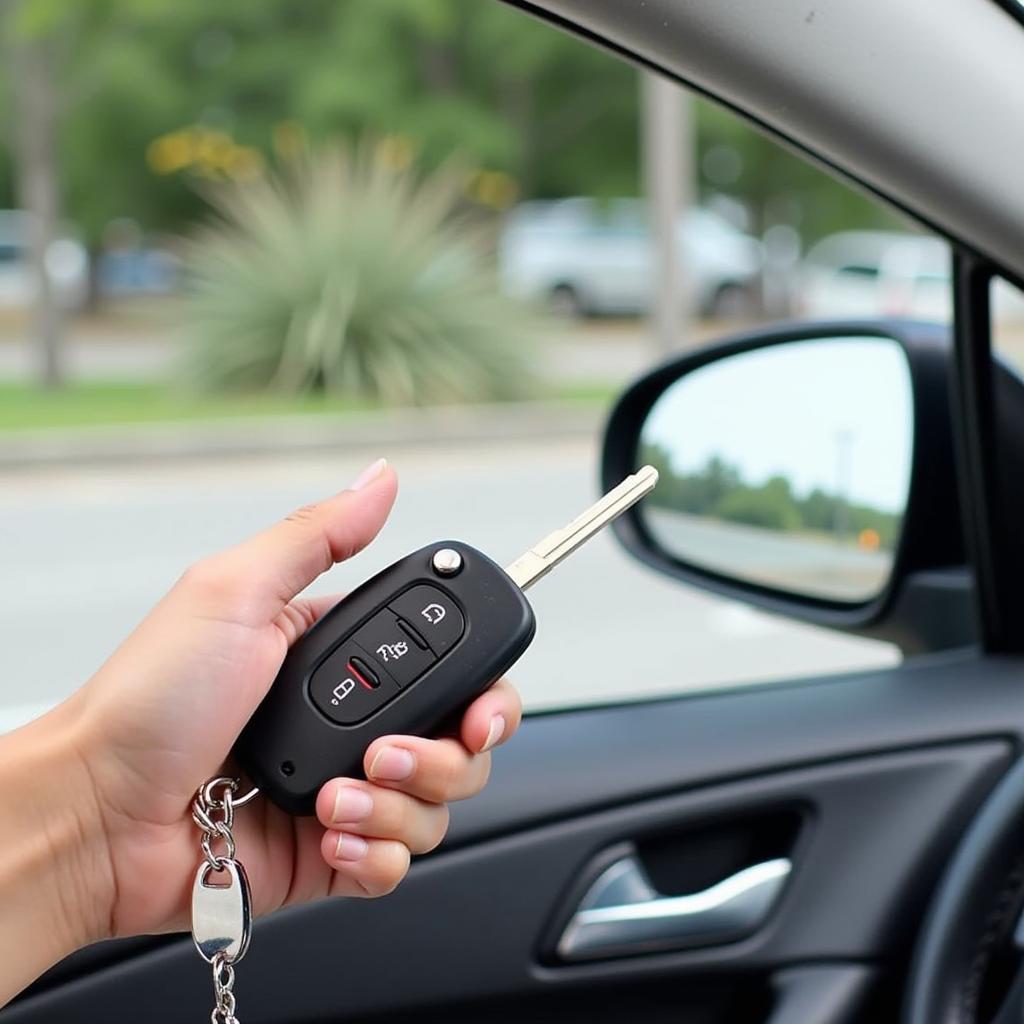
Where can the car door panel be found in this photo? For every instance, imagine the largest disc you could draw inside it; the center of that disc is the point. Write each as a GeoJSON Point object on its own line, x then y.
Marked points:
{"type": "Point", "coordinates": [880, 781]}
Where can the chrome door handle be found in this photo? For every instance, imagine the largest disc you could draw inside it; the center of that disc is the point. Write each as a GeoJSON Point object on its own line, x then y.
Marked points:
{"type": "Point", "coordinates": [622, 913]}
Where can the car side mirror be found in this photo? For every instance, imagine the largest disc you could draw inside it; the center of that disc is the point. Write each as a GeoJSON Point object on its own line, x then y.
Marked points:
{"type": "Point", "coordinates": [808, 470]}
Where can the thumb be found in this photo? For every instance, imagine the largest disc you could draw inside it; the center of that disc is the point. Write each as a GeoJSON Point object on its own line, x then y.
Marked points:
{"type": "Point", "coordinates": [258, 577]}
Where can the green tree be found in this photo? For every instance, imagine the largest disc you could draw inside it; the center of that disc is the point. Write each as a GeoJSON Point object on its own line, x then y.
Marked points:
{"type": "Point", "coordinates": [511, 95]}
{"type": "Point", "coordinates": [778, 185]}
{"type": "Point", "coordinates": [770, 506]}
{"type": "Point", "coordinates": [95, 88]}
{"type": "Point", "coordinates": [556, 114]}
{"type": "Point", "coordinates": [45, 45]}
{"type": "Point", "coordinates": [818, 511]}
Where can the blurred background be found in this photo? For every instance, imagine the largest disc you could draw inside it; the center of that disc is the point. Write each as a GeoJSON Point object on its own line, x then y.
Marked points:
{"type": "Point", "coordinates": [245, 249]}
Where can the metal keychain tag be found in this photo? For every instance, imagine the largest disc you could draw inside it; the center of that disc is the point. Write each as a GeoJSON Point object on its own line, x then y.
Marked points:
{"type": "Point", "coordinates": [221, 913]}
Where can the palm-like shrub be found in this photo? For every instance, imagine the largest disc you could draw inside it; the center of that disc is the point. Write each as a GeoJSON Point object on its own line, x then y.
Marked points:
{"type": "Point", "coordinates": [344, 274]}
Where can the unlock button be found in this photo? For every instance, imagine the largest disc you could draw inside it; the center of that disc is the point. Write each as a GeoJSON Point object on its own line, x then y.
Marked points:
{"type": "Point", "coordinates": [392, 650]}
{"type": "Point", "coordinates": [433, 614]}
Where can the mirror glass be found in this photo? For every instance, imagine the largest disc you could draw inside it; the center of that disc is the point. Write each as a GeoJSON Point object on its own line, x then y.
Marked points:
{"type": "Point", "coordinates": [787, 466]}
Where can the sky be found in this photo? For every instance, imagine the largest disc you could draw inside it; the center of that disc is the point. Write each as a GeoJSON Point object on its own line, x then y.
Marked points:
{"type": "Point", "coordinates": [835, 414]}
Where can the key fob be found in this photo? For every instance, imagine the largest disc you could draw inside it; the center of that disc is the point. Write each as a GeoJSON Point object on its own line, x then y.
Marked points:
{"type": "Point", "coordinates": [401, 654]}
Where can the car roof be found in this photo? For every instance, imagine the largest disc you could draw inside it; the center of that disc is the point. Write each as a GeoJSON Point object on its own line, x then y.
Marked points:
{"type": "Point", "coordinates": [590, 212]}
{"type": "Point", "coordinates": [876, 248]}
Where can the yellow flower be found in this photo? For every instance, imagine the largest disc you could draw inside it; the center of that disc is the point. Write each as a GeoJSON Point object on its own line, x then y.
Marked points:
{"type": "Point", "coordinates": [394, 152]}
{"type": "Point", "coordinates": [495, 189]}
{"type": "Point", "coordinates": [171, 152]}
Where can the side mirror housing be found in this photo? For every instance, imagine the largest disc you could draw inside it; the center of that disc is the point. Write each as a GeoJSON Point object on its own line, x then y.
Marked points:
{"type": "Point", "coordinates": [808, 470]}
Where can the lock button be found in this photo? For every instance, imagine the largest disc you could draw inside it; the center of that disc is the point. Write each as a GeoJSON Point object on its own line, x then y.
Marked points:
{"type": "Point", "coordinates": [347, 689]}
{"type": "Point", "coordinates": [433, 614]}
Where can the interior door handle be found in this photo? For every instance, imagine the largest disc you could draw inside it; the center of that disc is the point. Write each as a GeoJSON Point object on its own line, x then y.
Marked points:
{"type": "Point", "coordinates": [622, 913]}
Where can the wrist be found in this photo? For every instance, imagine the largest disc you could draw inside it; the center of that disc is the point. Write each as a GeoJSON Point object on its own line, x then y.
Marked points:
{"type": "Point", "coordinates": [55, 869]}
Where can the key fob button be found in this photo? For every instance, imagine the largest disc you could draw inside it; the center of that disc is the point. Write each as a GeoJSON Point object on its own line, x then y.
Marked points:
{"type": "Point", "coordinates": [391, 649]}
{"type": "Point", "coordinates": [413, 635]}
{"type": "Point", "coordinates": [347, 689]}
{"type": "Point", "coordinates": [433, 614]}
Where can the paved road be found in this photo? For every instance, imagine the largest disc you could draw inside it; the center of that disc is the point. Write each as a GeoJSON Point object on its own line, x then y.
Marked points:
{"type": "Point", "coordinates": [85, 552]}
{"type": "Point", "coordinates": [788, 560]}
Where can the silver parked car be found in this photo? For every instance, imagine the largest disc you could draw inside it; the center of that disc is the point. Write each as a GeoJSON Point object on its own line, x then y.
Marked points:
{"type": "Point", "coordinates": [886, 273]}
{"type": "Point", "coordinates": [585, 257]}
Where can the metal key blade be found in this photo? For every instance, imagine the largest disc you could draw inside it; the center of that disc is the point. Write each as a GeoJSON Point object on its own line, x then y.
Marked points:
{"type": "Point", "coordinates": [543, 557]}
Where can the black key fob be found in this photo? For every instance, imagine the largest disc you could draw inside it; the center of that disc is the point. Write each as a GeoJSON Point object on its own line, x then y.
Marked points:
{"type": "Point", "coordinates": [401, 654]}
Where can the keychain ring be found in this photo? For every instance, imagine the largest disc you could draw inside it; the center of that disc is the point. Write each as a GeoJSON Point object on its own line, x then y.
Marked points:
{"type": "Point", "coordinates": [241, 801]}
{"type": "Point", "coordinates": [230, 783]}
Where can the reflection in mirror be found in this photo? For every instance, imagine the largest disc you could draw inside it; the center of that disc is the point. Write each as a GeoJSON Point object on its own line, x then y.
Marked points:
{"type": "Point", "coordinates": [786, 466]}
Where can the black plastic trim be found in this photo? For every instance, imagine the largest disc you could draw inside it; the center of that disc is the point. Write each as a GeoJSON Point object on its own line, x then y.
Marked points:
{"type": "Point", "coordinates": [833, 994]}
{"type": "Point", "coordinates": [1012, 8]}
{"type": "Point", "coordinates": [989, 424]}
{"type": "Point", "coordinates": [975, 431]}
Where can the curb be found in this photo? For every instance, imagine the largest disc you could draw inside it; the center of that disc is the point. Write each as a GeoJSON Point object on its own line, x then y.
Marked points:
{"type": "Point", "coordinates": [279, 435]}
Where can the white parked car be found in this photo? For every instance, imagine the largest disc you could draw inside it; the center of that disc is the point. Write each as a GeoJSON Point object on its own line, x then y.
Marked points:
{"type": "Point", "coordinates": [583, 256]}
{"type": "Point", "coordinates": [885, 273]}
{"type": "Point", "coordinates": [67, 263]}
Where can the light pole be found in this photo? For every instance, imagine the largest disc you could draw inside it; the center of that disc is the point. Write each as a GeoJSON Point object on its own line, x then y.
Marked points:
{"type": "Point", "coordinates": [667, 147]}
{"type": "Point", "coordinates": [844, 466]}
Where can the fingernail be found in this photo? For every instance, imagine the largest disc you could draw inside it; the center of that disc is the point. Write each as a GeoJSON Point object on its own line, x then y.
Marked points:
{"type": "Point", "coordinates": [496, 731]}
{"type": "Point", "coordinates": [369, 474]}
{"type": "Point", "coordinates": [393, 764]}
{"type": "Point", "coordinates": [351, 847]}
{"type": "Point", "coordinates": [351, 804]}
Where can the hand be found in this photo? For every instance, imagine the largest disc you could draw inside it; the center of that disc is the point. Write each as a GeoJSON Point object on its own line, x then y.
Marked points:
{"type": "Point", "coordinates": [110, 774]}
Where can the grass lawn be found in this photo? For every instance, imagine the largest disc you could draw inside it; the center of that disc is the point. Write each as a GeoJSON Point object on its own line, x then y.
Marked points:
{"type": "Point", "coordinates": [25, 407]}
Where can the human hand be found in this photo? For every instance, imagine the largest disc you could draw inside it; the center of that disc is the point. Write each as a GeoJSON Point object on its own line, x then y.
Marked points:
{"type": "Point", "coordinates": [109, 775]}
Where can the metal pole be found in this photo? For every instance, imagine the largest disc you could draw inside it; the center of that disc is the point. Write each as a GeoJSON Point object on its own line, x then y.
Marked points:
{"type": "Point", "coordinates": [844, 454]}
{"type": "Point", "coordinates": [667, 147]}
{"type": "Point", "coordinates": [35, 108]}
